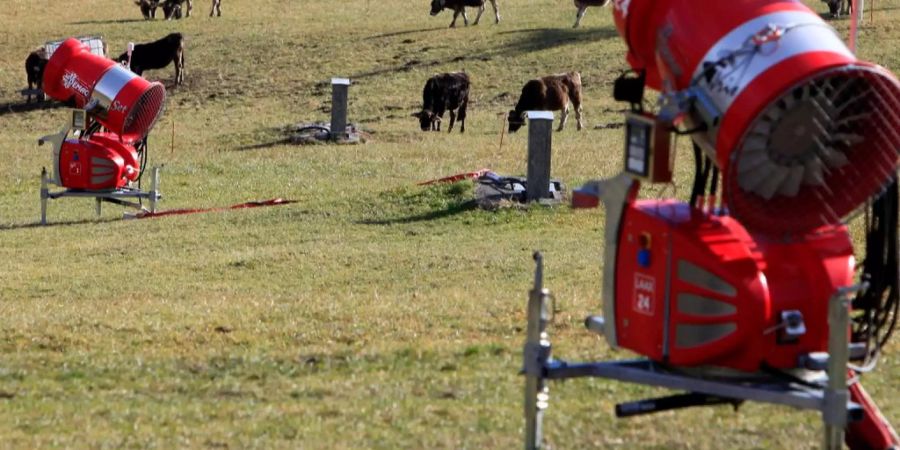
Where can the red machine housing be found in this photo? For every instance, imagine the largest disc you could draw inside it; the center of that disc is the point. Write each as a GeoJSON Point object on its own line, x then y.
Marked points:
{"type": "Point", "coordinates": [799, 127]}
{"type": "Point", "coordinates": [126, 104]}
{"type": "Point", "coordinates": [123, 102]}
{"type": "Point", "coordinates": [103, 162]}
{"type": "Point", "coordinates": [694, 289]}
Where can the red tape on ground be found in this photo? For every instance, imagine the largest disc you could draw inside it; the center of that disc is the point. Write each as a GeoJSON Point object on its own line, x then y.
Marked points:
{"type": "Point", "coordinates": [178, 212]}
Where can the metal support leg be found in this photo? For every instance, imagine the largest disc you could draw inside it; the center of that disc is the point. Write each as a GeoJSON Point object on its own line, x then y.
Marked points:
{"type": "Point", "coordinates": [837, 395]}
{"type": "Point", "coordinates": [154, 190]}
{"type": "Point", "coordinates": [44, 194]}
{"type": "Point", "coordinates": [536, 354]}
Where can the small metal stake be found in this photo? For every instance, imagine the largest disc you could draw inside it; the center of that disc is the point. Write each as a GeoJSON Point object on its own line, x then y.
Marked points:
{"type": "Point", "coordinates": [44, 194]}
{"type": "Point", "coordinates": [540, 124]}
{"type": "Point", "coordinates": [339, 94]}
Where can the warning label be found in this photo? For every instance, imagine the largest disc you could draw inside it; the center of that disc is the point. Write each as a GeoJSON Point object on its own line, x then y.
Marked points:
{"type": "Point", "coordinates": [644, 293]}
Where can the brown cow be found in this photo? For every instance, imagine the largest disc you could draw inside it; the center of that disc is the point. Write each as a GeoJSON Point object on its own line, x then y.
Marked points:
{"type": "Point", "coordinates": [550, 93]}
{"type": "Point", "coordinates": [582, 6]}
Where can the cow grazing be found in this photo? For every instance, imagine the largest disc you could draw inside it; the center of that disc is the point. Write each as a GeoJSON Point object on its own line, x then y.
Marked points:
{"type": "Point", "coordinates": [582, 6]}
{"type": "Point", "coordinates": [156, 55]}
{"type": "Point", "coordinates": [839, 7]}
{"type": "Point", "coordinates": [34, 71]}
{"type": "Point", "coordinates": [216, 8]}
{"type": "Point", "coordinates": [459, 7]}
{"type": "Point", "coordinates": [444, 92]}
{"type": "Point", "coordinates": [550, 93]}
{"type": "Point", "coordinates": [174, 9]}
{"type": "Point", "coordinates": [148, 8]}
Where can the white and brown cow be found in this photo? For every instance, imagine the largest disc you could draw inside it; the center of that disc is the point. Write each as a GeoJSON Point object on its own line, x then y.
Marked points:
{"type": "Point", "coordinates": [550, 93]}
{"type": "Point", "coordinates": [459, 7]}
{"type": "Point", "coordinates": [583, 5]}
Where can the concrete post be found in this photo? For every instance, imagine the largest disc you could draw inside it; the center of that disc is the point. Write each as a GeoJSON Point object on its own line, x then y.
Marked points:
{"type": "Point", "coordinates": [339, 90]}
{"type": "Point", "coordinates": [540, 130]}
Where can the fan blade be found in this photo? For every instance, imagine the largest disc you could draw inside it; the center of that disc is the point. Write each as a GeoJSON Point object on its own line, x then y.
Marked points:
{"type": "Point", "coordinates": [791, 185]}
{"type": "Point", "coordinates": [814, 172]}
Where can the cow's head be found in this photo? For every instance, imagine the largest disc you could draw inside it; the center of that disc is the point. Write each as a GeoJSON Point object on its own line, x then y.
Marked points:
{"type": "Point", "coordinates": [516, 120]}
{"type": "Point", "coordinates": [427, 119]}
{"type": "Point", "coordinates": [437, 6]}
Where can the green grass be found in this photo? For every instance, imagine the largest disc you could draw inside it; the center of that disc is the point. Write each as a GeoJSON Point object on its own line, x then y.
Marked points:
{"type": "Point", "coordinates": [372, 313]}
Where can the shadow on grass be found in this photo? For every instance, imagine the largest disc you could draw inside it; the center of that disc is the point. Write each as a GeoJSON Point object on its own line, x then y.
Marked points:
{"type": "Point", "coordinates": [530, 40]}
{"type": "Point", "coordinates": [539, 39]}
{"type": "Point", "coordinates": [263, 145]}
{"type": "Point", "coordinates": [404, 32]}
{"type": "Point", "coordinates": [425, 217]}
{"type": "Point", "coordinates": [15, 108]}
{"type": "Point", "coordinates": [25, 226]}
{"type": "Point", "coordinates": [108, 21]}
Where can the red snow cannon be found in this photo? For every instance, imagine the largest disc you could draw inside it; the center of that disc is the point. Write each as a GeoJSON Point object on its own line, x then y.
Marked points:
{"type": "Point", "coordinates": [123, 102]}
{"type": "Point", "coordinates": [802, 131]}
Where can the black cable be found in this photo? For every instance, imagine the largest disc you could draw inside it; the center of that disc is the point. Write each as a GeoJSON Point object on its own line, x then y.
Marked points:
{"type": "Point", "coordinates": [697, 189]}
{"type": "Point", "coordinates": [879, 306]}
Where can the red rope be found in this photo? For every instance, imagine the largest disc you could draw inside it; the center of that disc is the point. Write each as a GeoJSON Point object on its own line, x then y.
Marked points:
{"type": "Point", "coordinates": [179, 212]}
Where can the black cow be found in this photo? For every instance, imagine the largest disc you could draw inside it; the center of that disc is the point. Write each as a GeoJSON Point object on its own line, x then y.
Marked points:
{"type": "Point", "coordinates": [34, 71]}
{"type": "Point", "coordinates": [216, 8]}
{"type": "Point", "coordinates": [156, 55]}
{"type": "Point", "coordinates": [582, 6]}
{"type": "Point", "coordinates": [839, 7]}
{"type": "Point", "coordinates": [444, 92]}
{"type": "Point", "coordinates": [459, 7]}
{"type": "Point", "coordinates": [550, 93]}
{"type": "Point", "coordinates": [148, 8]}
{"type": "Point", "coordinates": [174, 9]}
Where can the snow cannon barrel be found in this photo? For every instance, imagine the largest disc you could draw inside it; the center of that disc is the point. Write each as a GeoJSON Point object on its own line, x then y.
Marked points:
{"type": "Point", "coordinates": [123, 102]}
{"type": "Point", "coordinates": [802, 131]}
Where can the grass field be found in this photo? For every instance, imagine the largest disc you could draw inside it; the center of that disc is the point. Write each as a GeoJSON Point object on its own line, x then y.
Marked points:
{"type": "Point", "coordinates": [372, 313]}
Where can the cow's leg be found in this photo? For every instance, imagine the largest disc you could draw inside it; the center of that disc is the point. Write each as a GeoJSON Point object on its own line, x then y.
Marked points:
{"type": "Point", "coordinates": [190, 4]}
{"type": "Point", "coordinates": [496, 11]}
{"type": "Point", "coordinates": [578, 115]}
{"type": "Point", "coordinates": [565, 116]}
{"type": "Point", "coordinates": [462, 117]}
{"type": "Point", "coordinates": [455, 16]}
{"type": "Point", "coordinates": [452, 121]}
{"type": "Point", "coordinates": [465, 16]}
{"type": "Point", "coordinates": [480, 12]}
{"type": "Point", "coordinates": [581, 10]}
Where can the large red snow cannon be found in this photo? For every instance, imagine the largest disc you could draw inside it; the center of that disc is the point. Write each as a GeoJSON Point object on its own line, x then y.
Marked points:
{"type": "Point", "coordinates": [745, 294]}
{"type": "Point", "coordinates": [96, 163]}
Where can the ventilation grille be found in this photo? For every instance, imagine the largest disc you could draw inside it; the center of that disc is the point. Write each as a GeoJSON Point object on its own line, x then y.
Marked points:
{"type": "Point", "coordinates": [818, 152]}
